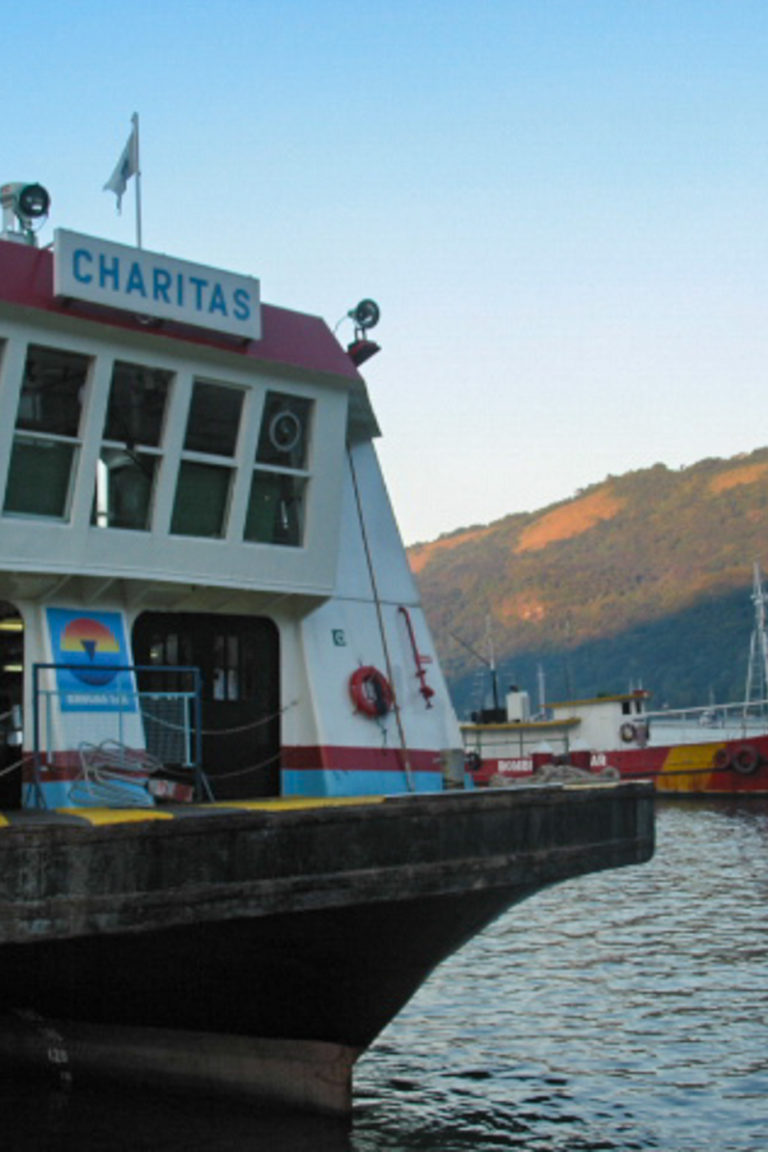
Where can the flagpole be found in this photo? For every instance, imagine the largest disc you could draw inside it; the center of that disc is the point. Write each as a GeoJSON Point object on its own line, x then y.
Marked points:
{"type": "Point", "coordinates": [135, 121]}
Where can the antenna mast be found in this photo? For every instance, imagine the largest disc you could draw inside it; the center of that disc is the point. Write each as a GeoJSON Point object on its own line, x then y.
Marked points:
{"type": "Point", "coordinates": [757, 670]}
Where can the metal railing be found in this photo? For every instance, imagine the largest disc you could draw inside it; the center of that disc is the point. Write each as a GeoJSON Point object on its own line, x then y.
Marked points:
{"type": "Point", "coordinates": [740, 719]}
{"type": "Point", "coordinates": [96, 710]}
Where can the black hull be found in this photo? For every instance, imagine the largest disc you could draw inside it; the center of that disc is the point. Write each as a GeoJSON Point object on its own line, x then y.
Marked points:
{"type": "Point", "coordinates": [336, 975]}
{"type": "Point", "coordinates": [305, 927]}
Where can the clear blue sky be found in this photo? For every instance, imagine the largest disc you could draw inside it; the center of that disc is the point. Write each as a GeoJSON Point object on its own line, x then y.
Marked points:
{"type": "Point", "coordinates": [561, 207]}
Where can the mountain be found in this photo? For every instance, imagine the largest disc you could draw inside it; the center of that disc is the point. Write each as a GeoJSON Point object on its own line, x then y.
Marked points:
{"type": "Point", "coordinates": [644, 579]}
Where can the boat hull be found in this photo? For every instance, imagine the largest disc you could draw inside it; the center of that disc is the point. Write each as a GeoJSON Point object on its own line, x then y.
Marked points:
{"type": "Point", "coordinates": [282, 937]}
{"type": "Point", "coordinates": [737, 767]}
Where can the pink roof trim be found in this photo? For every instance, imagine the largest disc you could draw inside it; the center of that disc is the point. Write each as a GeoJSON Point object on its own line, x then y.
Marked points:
{"type": "Point", "coordinates": [290, 338]}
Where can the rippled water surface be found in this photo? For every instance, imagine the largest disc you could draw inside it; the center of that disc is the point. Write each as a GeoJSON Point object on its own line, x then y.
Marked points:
{"type": "Point", "coordinates": [626, 1010]}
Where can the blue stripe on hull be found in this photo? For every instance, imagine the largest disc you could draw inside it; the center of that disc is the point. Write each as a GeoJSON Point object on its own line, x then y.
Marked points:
{"type": "Point", "coordinates": [337, 782]}
{"type": "Point", "coordinates": [77, 794]}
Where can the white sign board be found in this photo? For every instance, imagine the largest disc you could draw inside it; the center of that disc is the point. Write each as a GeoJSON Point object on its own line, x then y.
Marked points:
{"type": "Point", "coordinates": [151, 284]}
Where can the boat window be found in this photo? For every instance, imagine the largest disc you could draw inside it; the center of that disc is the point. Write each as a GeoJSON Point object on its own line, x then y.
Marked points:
{"type": "Point", "coordinates": [202, 498]}
{"type": "Point", "coordinates": [277, 501]}
{"type": "Point", "coordinates": [284, 434]}
{"type": "Point", "coordinates": [275, 509]}
{"type": "Point", "coordinates": [46, 444]}
{"type": "Point", "coordinates": [137, 403]}
{"type": "Point", "coordinates": [214, 419]}
{"type": "Point", "coordinates": [124, 485]}
{"type": "Point", "coordinates": [203, 487]}
{"type": "Point", "coordinates": [226, 667]}
{"type": "Point", "coordinates": [125, 473]}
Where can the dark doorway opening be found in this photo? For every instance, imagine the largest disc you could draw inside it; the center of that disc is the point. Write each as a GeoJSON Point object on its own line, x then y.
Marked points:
{"type": "Point", "coordinates": [239, 662]}
{"type": "Point", "coordinates": [11, 700]}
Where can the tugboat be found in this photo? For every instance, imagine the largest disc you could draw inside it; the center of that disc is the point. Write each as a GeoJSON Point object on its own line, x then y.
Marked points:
{"type": "Point", "coordinates": [236, 828]}
{"type": "Point", "coordinates": [708, 750]}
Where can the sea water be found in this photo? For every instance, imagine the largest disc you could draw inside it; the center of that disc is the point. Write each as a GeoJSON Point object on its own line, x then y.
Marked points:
{"type": "Point", "coordinates": [623, 1011]}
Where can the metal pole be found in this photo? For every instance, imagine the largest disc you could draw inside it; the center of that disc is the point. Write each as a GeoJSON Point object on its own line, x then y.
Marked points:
{"type": "Point", "coordinates": [135, 120]}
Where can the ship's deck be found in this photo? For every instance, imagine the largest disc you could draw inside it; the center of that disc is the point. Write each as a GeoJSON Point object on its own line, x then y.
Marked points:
{"type": "Point", "coordinates": [90, 817]}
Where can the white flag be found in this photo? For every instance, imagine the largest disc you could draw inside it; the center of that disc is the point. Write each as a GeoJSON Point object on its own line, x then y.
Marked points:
{"type": "Point", "coordinates": [127, 166]}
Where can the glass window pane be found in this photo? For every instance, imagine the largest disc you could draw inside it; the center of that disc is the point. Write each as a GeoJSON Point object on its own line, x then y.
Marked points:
{"type": "Point", "coordinates": [124, 485]}
{"type": "Point", "coordinates": [52, 391]}
{"type": "Point", "coordinates": [39, 477]}
{"type": "Point", "coordinates": [137, 400]}
{"type": "Point", "coordinates": [284, 435]}
{"type": "Point", "coordinates": [202, 494]}
{"type": "Point", "coordinates": [214, 418]}
{"type": "Point", "coordinates": [275, 509]}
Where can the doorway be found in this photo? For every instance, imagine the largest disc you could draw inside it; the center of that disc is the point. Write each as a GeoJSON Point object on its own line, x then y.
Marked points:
{"type": "Point", "coordinates": [11, 702]}
{"type": "Point", "coordinates": [239, 662]}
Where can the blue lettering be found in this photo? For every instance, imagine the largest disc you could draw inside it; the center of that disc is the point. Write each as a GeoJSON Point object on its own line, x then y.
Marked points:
{"type": "Point", "coordinates": [218, 303]}
{"type": "Point", "coordinates": [109, 273]}
{"type": "Point", "coordinates": [180, 289]}
{"type": "Point", "coordinates": [161, 282]}
{"type": "Point", "coordinates": [199, 284]}
{"type": "Point", "coordinates": [80, 255]}
{"type": "Point", "coordinates": [135, 281]}
{"type": "Point", "coordinates": [242, 304]}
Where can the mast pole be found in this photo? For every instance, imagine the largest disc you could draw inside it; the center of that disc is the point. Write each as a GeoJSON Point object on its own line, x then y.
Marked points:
{"type": "Point", "coordinates": [135, 120]}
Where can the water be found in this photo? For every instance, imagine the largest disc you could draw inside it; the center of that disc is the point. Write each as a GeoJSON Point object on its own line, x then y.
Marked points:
{"type": "Point", "coordinates": [622, 1011]}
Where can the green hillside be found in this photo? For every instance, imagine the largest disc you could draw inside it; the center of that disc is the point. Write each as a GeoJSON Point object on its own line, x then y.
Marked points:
{"type": "Point", "coordinates": [644, 578]}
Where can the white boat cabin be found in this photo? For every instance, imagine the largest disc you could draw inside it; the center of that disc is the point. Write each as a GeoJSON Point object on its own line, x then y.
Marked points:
{"type": "Point", "coordinates": [201, 579]}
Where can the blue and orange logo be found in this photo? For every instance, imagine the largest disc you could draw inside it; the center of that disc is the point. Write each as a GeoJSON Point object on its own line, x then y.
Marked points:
{"type": "Point", "coordinates": [90, 644]}
{"type": "Point", "coordinates": [87, 653]}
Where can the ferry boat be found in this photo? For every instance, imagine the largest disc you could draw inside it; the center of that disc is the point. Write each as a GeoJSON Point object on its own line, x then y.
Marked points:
{"type": "Point", "coordinates": [707, 750]}
{"type": "Point", "coordinates": [236, 829]}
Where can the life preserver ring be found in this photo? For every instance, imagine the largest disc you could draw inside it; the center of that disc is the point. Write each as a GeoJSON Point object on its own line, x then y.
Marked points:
{"type": "Point", "coordinates": [371, 692]}
{"type": "Point", "coordinates": [628, 732]}
{"type": "Point", "coordinates": [722, 758]}
{"type": "Point", "coordinates": [473, 763]}
{"type": "Point", "coordinates": [746, 759]}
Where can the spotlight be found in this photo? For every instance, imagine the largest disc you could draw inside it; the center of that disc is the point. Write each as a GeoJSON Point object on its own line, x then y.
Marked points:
{"type": "Point", "coordinates": [33, 201]}
{"type": "Point", "coordinates": [365, 315]}
{"type": "Point", "coordinates": [26, 203]}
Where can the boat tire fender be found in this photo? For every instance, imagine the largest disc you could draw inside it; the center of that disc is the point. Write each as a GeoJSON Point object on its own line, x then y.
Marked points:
{"type": "Point", "coordinates": [628, 732]}
{"type": "Point", "coordinates": [371, 692]}
{"type": "Point", "coordinates": [746, 759]}
{"type": "Point", "coordinates": [722, 758]}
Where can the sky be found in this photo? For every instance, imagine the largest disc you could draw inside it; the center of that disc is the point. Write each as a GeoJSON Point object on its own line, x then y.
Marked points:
{"type": "Point", "coordinates": [560, 206]}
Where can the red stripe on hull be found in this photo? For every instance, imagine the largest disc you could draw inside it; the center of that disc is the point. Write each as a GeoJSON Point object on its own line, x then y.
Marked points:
{"type": "Point", "coordinates": [335, 757]}
{"type": "Point", "coordinates": [724, 767]}
{"type": "Point", "coordinates": [66, 765]}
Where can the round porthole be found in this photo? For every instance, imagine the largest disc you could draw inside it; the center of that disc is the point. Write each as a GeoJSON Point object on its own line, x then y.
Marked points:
{"type": "Point", "coordinates": [284, 431]}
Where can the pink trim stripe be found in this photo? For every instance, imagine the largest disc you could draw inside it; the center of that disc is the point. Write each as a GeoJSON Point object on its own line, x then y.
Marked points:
{"type": "Point", "coordinates": [292, 338]}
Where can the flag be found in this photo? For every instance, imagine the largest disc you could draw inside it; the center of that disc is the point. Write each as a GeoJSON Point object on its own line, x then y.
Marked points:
{"type": "Point", "coordinates": [127, 165]}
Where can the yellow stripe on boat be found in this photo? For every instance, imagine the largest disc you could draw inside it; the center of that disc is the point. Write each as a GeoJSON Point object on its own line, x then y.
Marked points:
{"type": "Point", "coordinates": [296, 802]}
{"type": "Point", "coordinates": [116, 815]}
{"type": "Point", "coordinates": [686, 768]}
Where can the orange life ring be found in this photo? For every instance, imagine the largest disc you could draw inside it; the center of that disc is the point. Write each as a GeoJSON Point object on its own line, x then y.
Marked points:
{"type": "Point", "coordinates": [746, 759]}
{"type": "Point", "coordinates": [371, 692]}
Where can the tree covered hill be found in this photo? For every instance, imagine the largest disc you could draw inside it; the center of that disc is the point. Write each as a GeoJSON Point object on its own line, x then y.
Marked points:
{"type": "Point", "coordinates": [643, 578]}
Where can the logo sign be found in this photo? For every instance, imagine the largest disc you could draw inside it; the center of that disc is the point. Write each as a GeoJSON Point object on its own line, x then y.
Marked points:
{"type": "Point", "coordinates": [150, 284]}
{"type": "Point", "coordinates": [92, 644]}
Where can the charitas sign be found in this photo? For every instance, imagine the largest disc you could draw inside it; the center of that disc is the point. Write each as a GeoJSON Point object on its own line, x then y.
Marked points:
{"type": "Point", "coordinates": [151, 284]}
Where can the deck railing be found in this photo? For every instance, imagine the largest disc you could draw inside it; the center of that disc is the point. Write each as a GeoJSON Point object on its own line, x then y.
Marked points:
{"type": "Point", "coordinates": [76, 707]}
